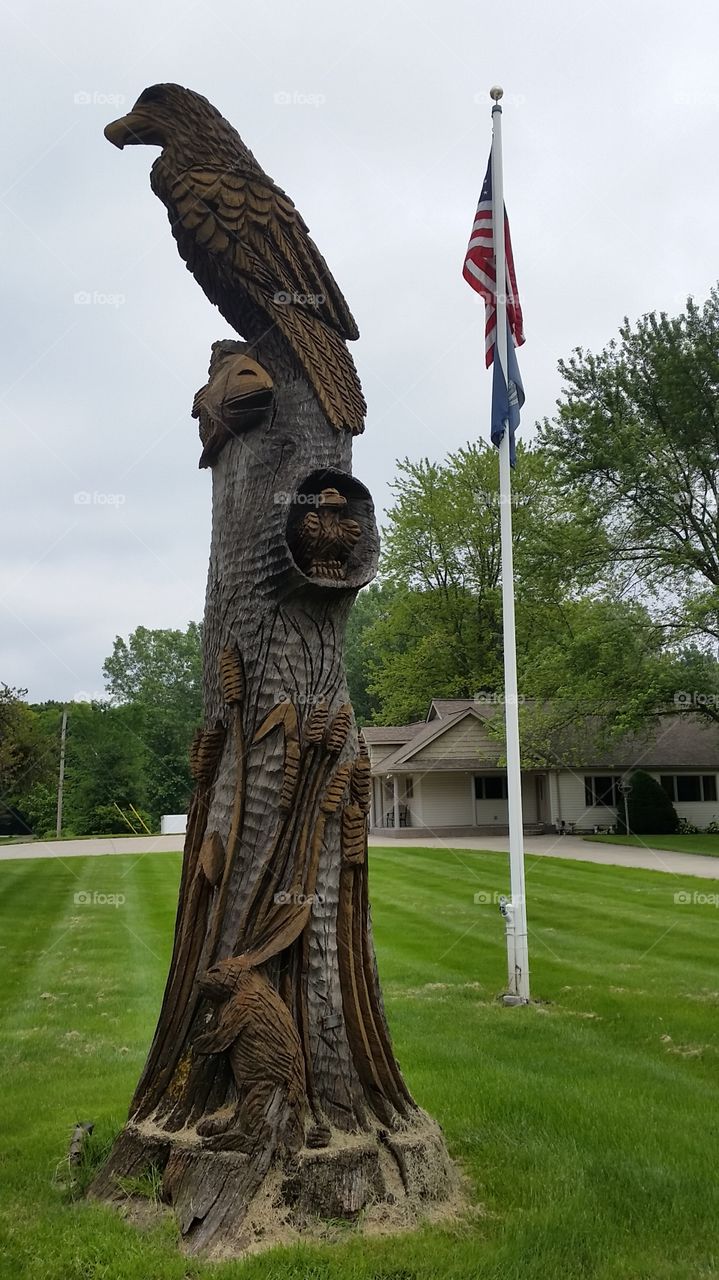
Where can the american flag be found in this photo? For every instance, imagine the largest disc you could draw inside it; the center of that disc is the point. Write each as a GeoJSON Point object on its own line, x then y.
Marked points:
{"type": "Point", "coordinates": [479, 270]}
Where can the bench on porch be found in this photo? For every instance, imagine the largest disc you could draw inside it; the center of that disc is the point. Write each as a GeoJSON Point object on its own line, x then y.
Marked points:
{"type": "Point", "coordinates": [403, 815]}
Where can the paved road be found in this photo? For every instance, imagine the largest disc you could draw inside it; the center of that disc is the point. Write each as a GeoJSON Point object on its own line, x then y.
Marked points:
{"type": "Point", "coordinates": [678, 864]}
{"type": "Point", "coordinates": [96, 847]}
{"type": "Point", "coordinates": [614, 855]}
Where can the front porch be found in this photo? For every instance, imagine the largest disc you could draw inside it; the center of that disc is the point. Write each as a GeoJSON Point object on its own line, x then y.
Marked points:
{"type": "Point", "coordinates": [455, 803]}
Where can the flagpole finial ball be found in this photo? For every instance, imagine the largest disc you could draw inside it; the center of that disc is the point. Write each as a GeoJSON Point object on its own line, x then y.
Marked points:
{"type": "Point", "coordinates": [496, 93]}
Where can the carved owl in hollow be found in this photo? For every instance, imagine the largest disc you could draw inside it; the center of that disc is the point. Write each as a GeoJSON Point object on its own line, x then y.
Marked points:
{"type": "Point", "coordinates": [325, 537]}
{"type": "Point", "coordinates": [245, 242]}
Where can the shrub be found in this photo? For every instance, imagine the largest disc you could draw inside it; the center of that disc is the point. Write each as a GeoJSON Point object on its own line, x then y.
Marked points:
{"type": "Point", "coordinates": [687, 828]}
{"type": "Point", "coordinates": [651, 812]}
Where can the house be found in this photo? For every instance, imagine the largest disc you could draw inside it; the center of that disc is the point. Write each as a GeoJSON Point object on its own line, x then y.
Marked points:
{"type": "Point", "coordinates": [443, 775]}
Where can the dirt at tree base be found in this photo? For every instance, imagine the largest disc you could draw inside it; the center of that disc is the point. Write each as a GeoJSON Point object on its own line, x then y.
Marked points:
{"type": "Point", "coordinates": [374, 1183]}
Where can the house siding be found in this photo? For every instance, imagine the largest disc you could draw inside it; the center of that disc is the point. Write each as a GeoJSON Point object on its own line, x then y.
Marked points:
{"type": "Point", "coordinates": [446, 800]}
{"type": "Point", "coordinates": [467, 739]}
{"type": "Point", "coordinates": [573, 809]}
{"type": "Point", "coordinates": [491, 812]}
{"type": "Point", "coordinates": [378, 751]}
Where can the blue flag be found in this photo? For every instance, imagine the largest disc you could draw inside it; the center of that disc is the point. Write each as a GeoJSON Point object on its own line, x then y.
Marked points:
{"type": "Point", "coordinates": [506, 401]}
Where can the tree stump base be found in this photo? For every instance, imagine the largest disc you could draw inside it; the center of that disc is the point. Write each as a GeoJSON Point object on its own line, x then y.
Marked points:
{"type": "Point", "coordinates": [383, 1182]}
{"type": "Point", "coordinates": [271, 1103]}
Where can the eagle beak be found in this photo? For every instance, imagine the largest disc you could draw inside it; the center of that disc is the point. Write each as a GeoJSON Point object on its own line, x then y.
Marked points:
{"type": "Point", "coordinates": [133, 128]}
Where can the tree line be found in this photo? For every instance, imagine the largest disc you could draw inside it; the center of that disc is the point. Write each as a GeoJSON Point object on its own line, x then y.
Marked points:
{"type": "Point", "coordinates": [615, 512]}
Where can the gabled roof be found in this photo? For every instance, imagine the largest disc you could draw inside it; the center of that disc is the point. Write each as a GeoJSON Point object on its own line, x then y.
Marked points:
{"type": "Point", "coordinates": [401, 758]}
{"type": "Point", "coordinates": [684, 741]}
{"type": "Point", "coordinates": [440, 708]}
{"type": "Point", "coordinates": [380, 733]}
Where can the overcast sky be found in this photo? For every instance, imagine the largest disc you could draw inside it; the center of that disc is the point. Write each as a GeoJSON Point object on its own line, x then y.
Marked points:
{"type": "Point", "coordinates": [375, 118]}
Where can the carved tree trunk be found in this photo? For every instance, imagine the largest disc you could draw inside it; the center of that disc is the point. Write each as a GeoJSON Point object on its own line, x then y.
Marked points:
{"type": "Point", "coordinates": [271, 1078]}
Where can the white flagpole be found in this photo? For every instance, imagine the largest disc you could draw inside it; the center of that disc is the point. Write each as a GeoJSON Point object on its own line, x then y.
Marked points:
{"type": "Point", "coordinates": [515, 911]}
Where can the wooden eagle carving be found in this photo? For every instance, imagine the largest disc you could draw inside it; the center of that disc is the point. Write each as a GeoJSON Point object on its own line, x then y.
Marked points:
{"type": "Point", "coordinates": [325, 537]}
{"type": "Point", "coordinates": [245, 242]}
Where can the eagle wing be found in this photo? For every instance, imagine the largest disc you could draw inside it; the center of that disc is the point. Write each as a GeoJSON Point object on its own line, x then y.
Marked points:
{"type": "Point", "coordinates": [242, 237]}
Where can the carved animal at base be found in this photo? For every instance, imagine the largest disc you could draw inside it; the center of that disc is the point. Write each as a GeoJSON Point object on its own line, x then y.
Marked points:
{"type": "Point", "coordinates": [244, 241]}
{"type": "Point", "coordinates": [256, 1030]}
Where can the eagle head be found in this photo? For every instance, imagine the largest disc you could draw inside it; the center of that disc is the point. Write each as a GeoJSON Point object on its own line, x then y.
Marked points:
{"type": "Point", "coordinates": [177, 119]}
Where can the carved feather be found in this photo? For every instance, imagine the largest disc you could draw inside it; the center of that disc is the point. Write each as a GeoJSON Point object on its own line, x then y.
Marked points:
{"type": "Point", "coordinates": [232, 677]}
{"type": "Point", "coordinates": [245, 243]}
{"type": "Point", "coordinates": [339, 729]}
{"type": "Point", "coordinates": [205, 753]}
{"type": "Point", "coordinates": [335, 793]}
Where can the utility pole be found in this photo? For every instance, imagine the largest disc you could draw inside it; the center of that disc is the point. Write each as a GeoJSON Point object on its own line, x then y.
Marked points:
{"type": "Point", "coordinates": [61, 774]}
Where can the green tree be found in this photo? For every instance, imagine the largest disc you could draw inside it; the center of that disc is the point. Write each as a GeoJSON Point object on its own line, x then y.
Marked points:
{"type": "Point", "coordinates": [636, 435]}
{"type": "Point", "coordinates": [593, 673]}
{"type": "Point", "coordinates": [105, 766]}
{"type": "Point", "coordinates": [370, 607]}
{"type": "Point", "coordinates": [28, 755]}
{"type": "Point", "coordinates": [439, 633]}
{"type": "Point", "coordinates": [159, 674]}
{"type": "Point", "coordinates": [651, 812]}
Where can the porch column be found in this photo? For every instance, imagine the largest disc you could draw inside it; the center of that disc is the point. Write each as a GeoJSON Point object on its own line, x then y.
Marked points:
{"type": "Point", "coordinates": [395, 788]}
{"type": "Point", "coordinates": [473, 800]}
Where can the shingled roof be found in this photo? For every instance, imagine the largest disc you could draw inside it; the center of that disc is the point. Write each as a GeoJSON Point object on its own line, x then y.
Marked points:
{"type": "Point", "coordinates": [684, 741]}
{"type": "Point", "coordinates": [380, 733]}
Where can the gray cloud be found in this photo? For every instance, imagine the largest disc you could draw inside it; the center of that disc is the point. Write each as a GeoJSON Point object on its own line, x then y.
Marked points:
{"type": "Point", "coordinates": [376, 121]}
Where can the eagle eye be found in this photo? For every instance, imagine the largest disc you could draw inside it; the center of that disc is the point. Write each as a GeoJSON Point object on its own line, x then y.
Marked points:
{"type": "Point", "coordinates": [155, 93]}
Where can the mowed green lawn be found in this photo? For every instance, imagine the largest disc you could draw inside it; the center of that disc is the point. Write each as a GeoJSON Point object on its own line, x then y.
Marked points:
{"type": "Point", "coordinates": [588, 1125]}
{"type": "Point", "coordinates": [682, 844]}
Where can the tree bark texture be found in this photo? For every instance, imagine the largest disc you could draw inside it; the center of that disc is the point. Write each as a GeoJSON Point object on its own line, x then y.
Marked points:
{"type": "Point", "coordinates": [271, 1072]}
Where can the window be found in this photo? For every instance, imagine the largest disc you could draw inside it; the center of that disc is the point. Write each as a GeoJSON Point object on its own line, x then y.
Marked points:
{"type": "Point", "coordinates": [688, 787]}
{"type": "Point", "coordinates": [490, 787]}
{"type": "Point", "coordinates": [602, 790]}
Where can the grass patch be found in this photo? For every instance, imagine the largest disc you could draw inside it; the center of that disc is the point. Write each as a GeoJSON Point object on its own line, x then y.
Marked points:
{"type": "Point", "coordinates": [588, 1125]}
{"type": "Point", "coordinates": [680, 844]}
